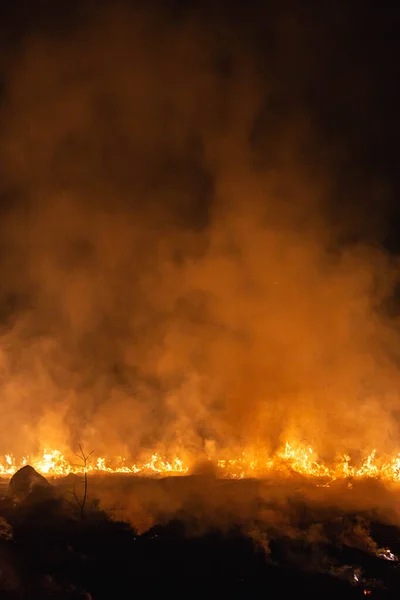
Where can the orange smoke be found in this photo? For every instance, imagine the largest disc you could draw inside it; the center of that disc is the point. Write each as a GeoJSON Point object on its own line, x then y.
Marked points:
{"type": "Point", "coordinates": [174, 287]}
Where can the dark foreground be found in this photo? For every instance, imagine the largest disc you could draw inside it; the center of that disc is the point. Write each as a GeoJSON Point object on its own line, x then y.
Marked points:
{"type": "Point", "coordinates": [297, 544]}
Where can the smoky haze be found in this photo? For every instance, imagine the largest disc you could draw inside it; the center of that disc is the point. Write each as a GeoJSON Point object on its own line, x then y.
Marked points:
{"type": "Point", "coordinates": [179, 270]}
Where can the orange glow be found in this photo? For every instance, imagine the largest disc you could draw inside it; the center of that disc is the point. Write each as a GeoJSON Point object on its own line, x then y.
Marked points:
{"type": "Point", "coordinates": [290, 460]}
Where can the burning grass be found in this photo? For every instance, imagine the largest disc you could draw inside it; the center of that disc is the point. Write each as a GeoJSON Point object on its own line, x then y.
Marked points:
{"type": "Point", "coordinates": [290, 459]}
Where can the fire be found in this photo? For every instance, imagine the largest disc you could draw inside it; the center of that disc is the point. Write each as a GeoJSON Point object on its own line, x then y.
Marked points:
{"type": "Point", "coordinates": [290, 459]}
{"type": "Point", "coordinates": [54, 463]}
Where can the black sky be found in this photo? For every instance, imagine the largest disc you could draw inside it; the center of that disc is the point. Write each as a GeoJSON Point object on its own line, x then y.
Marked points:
{"type": "Point", "coordinates": [332, 64]}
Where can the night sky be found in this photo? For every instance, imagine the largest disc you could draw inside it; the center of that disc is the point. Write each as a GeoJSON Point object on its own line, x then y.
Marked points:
{"type": "Point", "coordinates": [332, 66]}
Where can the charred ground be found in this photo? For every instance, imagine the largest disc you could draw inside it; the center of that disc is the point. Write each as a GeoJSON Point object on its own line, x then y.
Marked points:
{"type": "Point", "coordinates": [223, 537]}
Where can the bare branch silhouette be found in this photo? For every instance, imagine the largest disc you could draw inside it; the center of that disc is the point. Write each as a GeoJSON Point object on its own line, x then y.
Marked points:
{"type": "Point", "coordinates": [81, 502]}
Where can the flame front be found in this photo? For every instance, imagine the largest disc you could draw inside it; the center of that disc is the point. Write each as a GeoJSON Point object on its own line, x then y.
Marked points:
{"type": "Point", "coordinates": [290, 460]}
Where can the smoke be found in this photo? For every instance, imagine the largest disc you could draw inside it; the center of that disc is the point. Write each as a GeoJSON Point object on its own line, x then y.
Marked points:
{"type": "Point", "coordinates": [311, 523]}
{"type": "Point", "coordinates": [178, 268]}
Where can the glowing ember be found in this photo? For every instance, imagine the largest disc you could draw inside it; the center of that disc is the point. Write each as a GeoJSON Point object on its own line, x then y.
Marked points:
{"type": "Point", "coordinates": [291, 459]}
{"type": "Point", "coordinates": [387, 555]}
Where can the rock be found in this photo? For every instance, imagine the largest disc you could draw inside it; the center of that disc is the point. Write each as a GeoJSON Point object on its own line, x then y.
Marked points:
{"type": "Point", "coordinates": [27, 482]}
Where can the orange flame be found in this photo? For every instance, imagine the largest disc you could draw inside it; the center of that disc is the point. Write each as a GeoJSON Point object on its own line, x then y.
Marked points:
{"type": "Point", "coordinates": [289, 460]}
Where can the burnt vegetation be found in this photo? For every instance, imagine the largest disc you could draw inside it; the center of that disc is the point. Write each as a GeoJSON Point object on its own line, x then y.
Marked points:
{"type": "Point", "coordinates": [48, 551]}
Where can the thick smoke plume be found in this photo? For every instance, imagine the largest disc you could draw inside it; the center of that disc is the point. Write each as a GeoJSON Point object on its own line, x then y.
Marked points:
{"type": "Point", "coordinates": [178, 268]}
